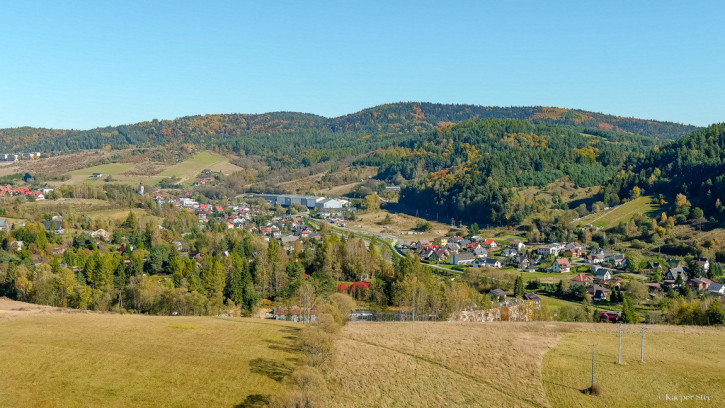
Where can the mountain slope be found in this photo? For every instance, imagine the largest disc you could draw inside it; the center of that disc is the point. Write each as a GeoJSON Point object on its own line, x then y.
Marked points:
{"type": "Point", "coordinates": [693, 165]}
{"type": "Point", "coordinates": [470, 171]}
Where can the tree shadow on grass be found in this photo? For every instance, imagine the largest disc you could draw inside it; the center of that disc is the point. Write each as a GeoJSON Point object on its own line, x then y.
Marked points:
{"type": "Point", "coordinates": [273, 369]}
{"type": "Point", "coordinates": [254, 401]}
{"type": "Point", "coordinates": [283, 345]}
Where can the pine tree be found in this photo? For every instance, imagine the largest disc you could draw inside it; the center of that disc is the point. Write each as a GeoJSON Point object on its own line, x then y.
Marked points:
{"type": "Point", "coordinates": [519, 287]}
{"type": "Point", "coordinates": [629, 314]}
{"type": "Point", "coordinates": [234, 289]}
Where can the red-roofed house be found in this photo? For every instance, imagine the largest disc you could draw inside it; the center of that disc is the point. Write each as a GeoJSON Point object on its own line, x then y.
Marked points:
{"type": "Point", "coordinates": [561, 265]}
{"type": "Point", "coordinates": [489, 243]}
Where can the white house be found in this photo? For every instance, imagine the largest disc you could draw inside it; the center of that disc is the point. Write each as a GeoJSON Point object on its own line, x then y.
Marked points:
{"type": "Point", "coordinates": [517, 245]}
{"type": "Point", "coordinates": [547, 250]}
{"type": "Point", "coordinates": [561, 265]}
{"type": "Point", "coordinates": [486, 263]}
{"type": "Point", "coordinates": [603, 275]}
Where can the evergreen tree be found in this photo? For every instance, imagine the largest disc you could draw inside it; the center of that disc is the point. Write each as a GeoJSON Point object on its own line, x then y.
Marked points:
{"type": "Point", "coordinates": [629, 314]}
{"type": "Point", "coordinates": [131, 222]}
{"type": "Point", "coordinates": [519, 287]}
{"type": "Point", "coordinates": [234, 289]}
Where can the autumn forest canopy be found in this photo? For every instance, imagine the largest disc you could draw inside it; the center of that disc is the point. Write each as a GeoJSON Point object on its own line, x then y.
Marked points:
{"type": "Point", "coordinates": [462, 162]}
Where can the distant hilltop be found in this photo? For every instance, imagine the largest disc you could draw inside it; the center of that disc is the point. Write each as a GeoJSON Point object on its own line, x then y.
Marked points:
{"type": "Point", "coordinates": [381, 121]}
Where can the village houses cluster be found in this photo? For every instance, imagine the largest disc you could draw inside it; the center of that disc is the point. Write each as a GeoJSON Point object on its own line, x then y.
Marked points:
{"type": "Point", "coordinates": [39, 194]}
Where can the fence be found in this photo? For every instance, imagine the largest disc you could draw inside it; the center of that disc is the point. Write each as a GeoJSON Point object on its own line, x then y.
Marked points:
{"type": "Point", "coordinates": [391, 316]}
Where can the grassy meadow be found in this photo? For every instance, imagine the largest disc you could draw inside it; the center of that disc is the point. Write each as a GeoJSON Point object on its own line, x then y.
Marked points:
{"type": "Point", "coordinates": [537, 364]}
{"type": "Point", "coordinates": [193, 166]}
{"type": "Point", "coordinates": [110, 360]}
{"type": "Point", "coordinates": [612, 217]}
{"type": "Point", "coordinates": [679, 361]}
{"type": "Point", "coordinates": [135, 173]}
{"type": "Point", "coordinates": [63, 358]}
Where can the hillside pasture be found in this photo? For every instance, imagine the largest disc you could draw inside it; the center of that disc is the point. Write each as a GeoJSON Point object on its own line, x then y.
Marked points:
{"type": "Point", "coordinates": [533, 364]}
{"type": "Point", "coordinates": [187, 169]}
{"type": "Point", "coordinates": [612, 217]}
{"type": "Point", "coordinates": [56, 359]}
{"type": "Point", "coordinates": [441, 364]}
{"type": "Point", "coordinates": [679, 361]}
{"type": "Point", "coordinates": [84, 175]}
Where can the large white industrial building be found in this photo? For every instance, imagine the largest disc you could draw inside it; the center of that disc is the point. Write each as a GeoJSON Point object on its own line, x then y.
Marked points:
{"type": "Point", "coordinates": [308, 201]}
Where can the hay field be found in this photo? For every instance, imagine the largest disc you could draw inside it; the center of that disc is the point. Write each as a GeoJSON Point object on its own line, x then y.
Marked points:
{"type": "Point", "coordinates": [193, 166]}
{"type": "Point", "coordinates": [399, 223]}
{"type": "Point", "coordinates": [612, 217]}
{"type": "Point", "coordinates": [512, 364]}
{"type": "Point", "coordinates": [441, 364]}
{"type": "Point", "coordinates": [679, 361]}
{"type": "Point", "coordinates": [56, 359]}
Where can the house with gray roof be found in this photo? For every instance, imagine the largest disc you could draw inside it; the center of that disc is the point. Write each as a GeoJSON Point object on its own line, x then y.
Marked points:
{"type": "Point", "coordinates": [465, 258]}
{"type": "Point", "coordinates": [717, 289]}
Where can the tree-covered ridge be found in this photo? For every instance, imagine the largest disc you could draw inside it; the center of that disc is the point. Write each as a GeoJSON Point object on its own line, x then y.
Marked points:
{"type": "Point", "coordinates": [379, 121]}
{"type": "Point", "coordinates": [13, 138]}
{"type": "Point", "coordinates": [693, 166]}
{"type": "Point", "coordinates": [470, 171]}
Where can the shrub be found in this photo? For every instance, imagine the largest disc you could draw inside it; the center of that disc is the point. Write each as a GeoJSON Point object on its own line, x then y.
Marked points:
{"type": "Point", "coordinates": [315, 344]}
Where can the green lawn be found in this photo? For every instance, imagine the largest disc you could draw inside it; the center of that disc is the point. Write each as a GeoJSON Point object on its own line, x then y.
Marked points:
{"type": "Point", "coordinates": [612, 217]}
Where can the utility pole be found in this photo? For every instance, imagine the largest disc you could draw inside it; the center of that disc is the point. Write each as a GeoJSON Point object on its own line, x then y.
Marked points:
{"type": "Point", "coordinates": [593, 345]}
{"type": "Point", "coordinates": [642, 354]}
{"type": "Point", "coordinates": [619, 360]}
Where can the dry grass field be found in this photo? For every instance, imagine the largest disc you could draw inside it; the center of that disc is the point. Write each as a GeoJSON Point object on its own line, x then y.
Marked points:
{"type": "Point", "coordinates": [517, 365]}
{"type": "Point", "coordinates": [193, 166]}
{"type": "Point", "coordinates": [55, 359]}
{"type": "Point", "coordinates": [679, 361]}
{"type": "Point", "coordinates": [54, 165]}
{"type": "Point", "coordinates": [400, 225]}
{"type": "Point", "coordinates": [564, 188]}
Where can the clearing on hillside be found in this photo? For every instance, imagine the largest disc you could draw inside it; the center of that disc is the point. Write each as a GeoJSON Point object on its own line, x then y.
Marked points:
{"type": "Point", "coordinates": [111, 360]}
{"type": "Point", "coordinates": [613, 216]}
{"type": "Point", "coordinates": [190, 168]}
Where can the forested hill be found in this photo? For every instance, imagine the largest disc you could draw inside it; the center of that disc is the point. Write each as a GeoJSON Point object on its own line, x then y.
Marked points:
{"type": "Point", "coordinates": [308, 131]}
{"type": "Point", "coordinates": [693, 166]}
{"type": "Point", "coordinates": [471, 171]}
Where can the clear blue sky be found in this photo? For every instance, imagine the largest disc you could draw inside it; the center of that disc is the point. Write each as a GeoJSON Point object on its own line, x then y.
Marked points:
{"type": "Point", "coordinates": [68, 64]}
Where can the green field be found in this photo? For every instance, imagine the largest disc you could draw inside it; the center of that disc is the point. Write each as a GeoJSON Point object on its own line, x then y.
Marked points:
{"type": "Point", "coordinates": [188, 169]}
{"type": "Point", "coordinates": [687, 362]}
{"type": "Point", "coordinates": [612, 217]}
{"type": "Point", "coordinates": [110, 360]}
